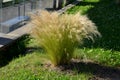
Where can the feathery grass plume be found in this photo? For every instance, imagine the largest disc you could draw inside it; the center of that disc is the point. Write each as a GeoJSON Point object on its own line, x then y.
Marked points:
{"type": "Point", "coordinates": [60, 34]}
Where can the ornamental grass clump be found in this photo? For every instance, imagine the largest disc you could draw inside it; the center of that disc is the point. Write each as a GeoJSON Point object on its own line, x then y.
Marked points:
{"type": "Point", "coordinates": [60, 34]}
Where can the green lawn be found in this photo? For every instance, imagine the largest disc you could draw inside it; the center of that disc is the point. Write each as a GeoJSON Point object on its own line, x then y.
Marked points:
{"type": "Point", "coordinates": [30, 67]}
{"type": "Point", "coordinates": [96, 59]}
{"type": "Point", "coordinates": [106, 15]}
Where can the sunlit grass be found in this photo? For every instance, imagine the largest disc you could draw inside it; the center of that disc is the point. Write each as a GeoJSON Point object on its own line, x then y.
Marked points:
{"type": "Point", "coordinates": [106, 50]}
{"type": "Point", "coordinates": [98, 55]}
{"type": "Point", "coordinates": [30, 67]}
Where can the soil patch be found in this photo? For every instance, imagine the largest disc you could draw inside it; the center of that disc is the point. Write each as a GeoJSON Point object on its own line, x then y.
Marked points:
{"type": "Point", "coordinates": [98, 71]}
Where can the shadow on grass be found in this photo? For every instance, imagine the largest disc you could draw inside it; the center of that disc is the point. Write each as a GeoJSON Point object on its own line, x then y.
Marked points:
{"type": "Point", "coordinates": [106, 15]}
{"type": "Point", "coordinates": [99, 71]}
{"type": "Point", "coordinates": [13, 51]}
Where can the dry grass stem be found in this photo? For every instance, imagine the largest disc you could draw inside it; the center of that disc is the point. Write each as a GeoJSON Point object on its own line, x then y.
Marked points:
{"type": "Point", "coordinates": [60, 34]}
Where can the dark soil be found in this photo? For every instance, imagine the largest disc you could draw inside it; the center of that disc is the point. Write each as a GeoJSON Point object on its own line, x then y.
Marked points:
{"type": "Point", "coordinates": [98, 71]}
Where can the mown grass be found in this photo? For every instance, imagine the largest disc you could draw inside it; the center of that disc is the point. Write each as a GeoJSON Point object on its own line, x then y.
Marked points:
{"type": "Point", "coordinates": [105, 51]}
{"type": "Point", "coordinates": [31, 67]}
{"type": "Point", "coordinates": [99, 55]}
{"type": "Point", "coordinates": [106, 15]}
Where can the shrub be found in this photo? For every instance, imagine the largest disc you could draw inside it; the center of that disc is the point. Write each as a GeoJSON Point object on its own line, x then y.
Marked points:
{"type": "Point", "coordinates": [60, 34]}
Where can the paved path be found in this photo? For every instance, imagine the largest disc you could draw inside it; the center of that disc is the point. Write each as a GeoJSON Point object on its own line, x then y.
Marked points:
{"type": "Point", "coordinates": [6, 39]}
{"type": "Point", "coordinates": [12, 11]}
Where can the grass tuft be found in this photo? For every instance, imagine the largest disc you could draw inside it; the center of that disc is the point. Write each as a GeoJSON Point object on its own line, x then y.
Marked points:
{"type": "Point", "coordinates": [60, 34]}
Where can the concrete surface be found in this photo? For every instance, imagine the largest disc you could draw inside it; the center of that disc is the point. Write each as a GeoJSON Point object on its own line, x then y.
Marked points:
{"type": "Point", "coordinates": [6, 39]}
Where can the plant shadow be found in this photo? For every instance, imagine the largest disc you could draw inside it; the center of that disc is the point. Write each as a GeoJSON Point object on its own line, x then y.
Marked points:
{"type": "Point", "coordinates": [97, 70]}
{"type": "Point", "coordinates": [106, 15]}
